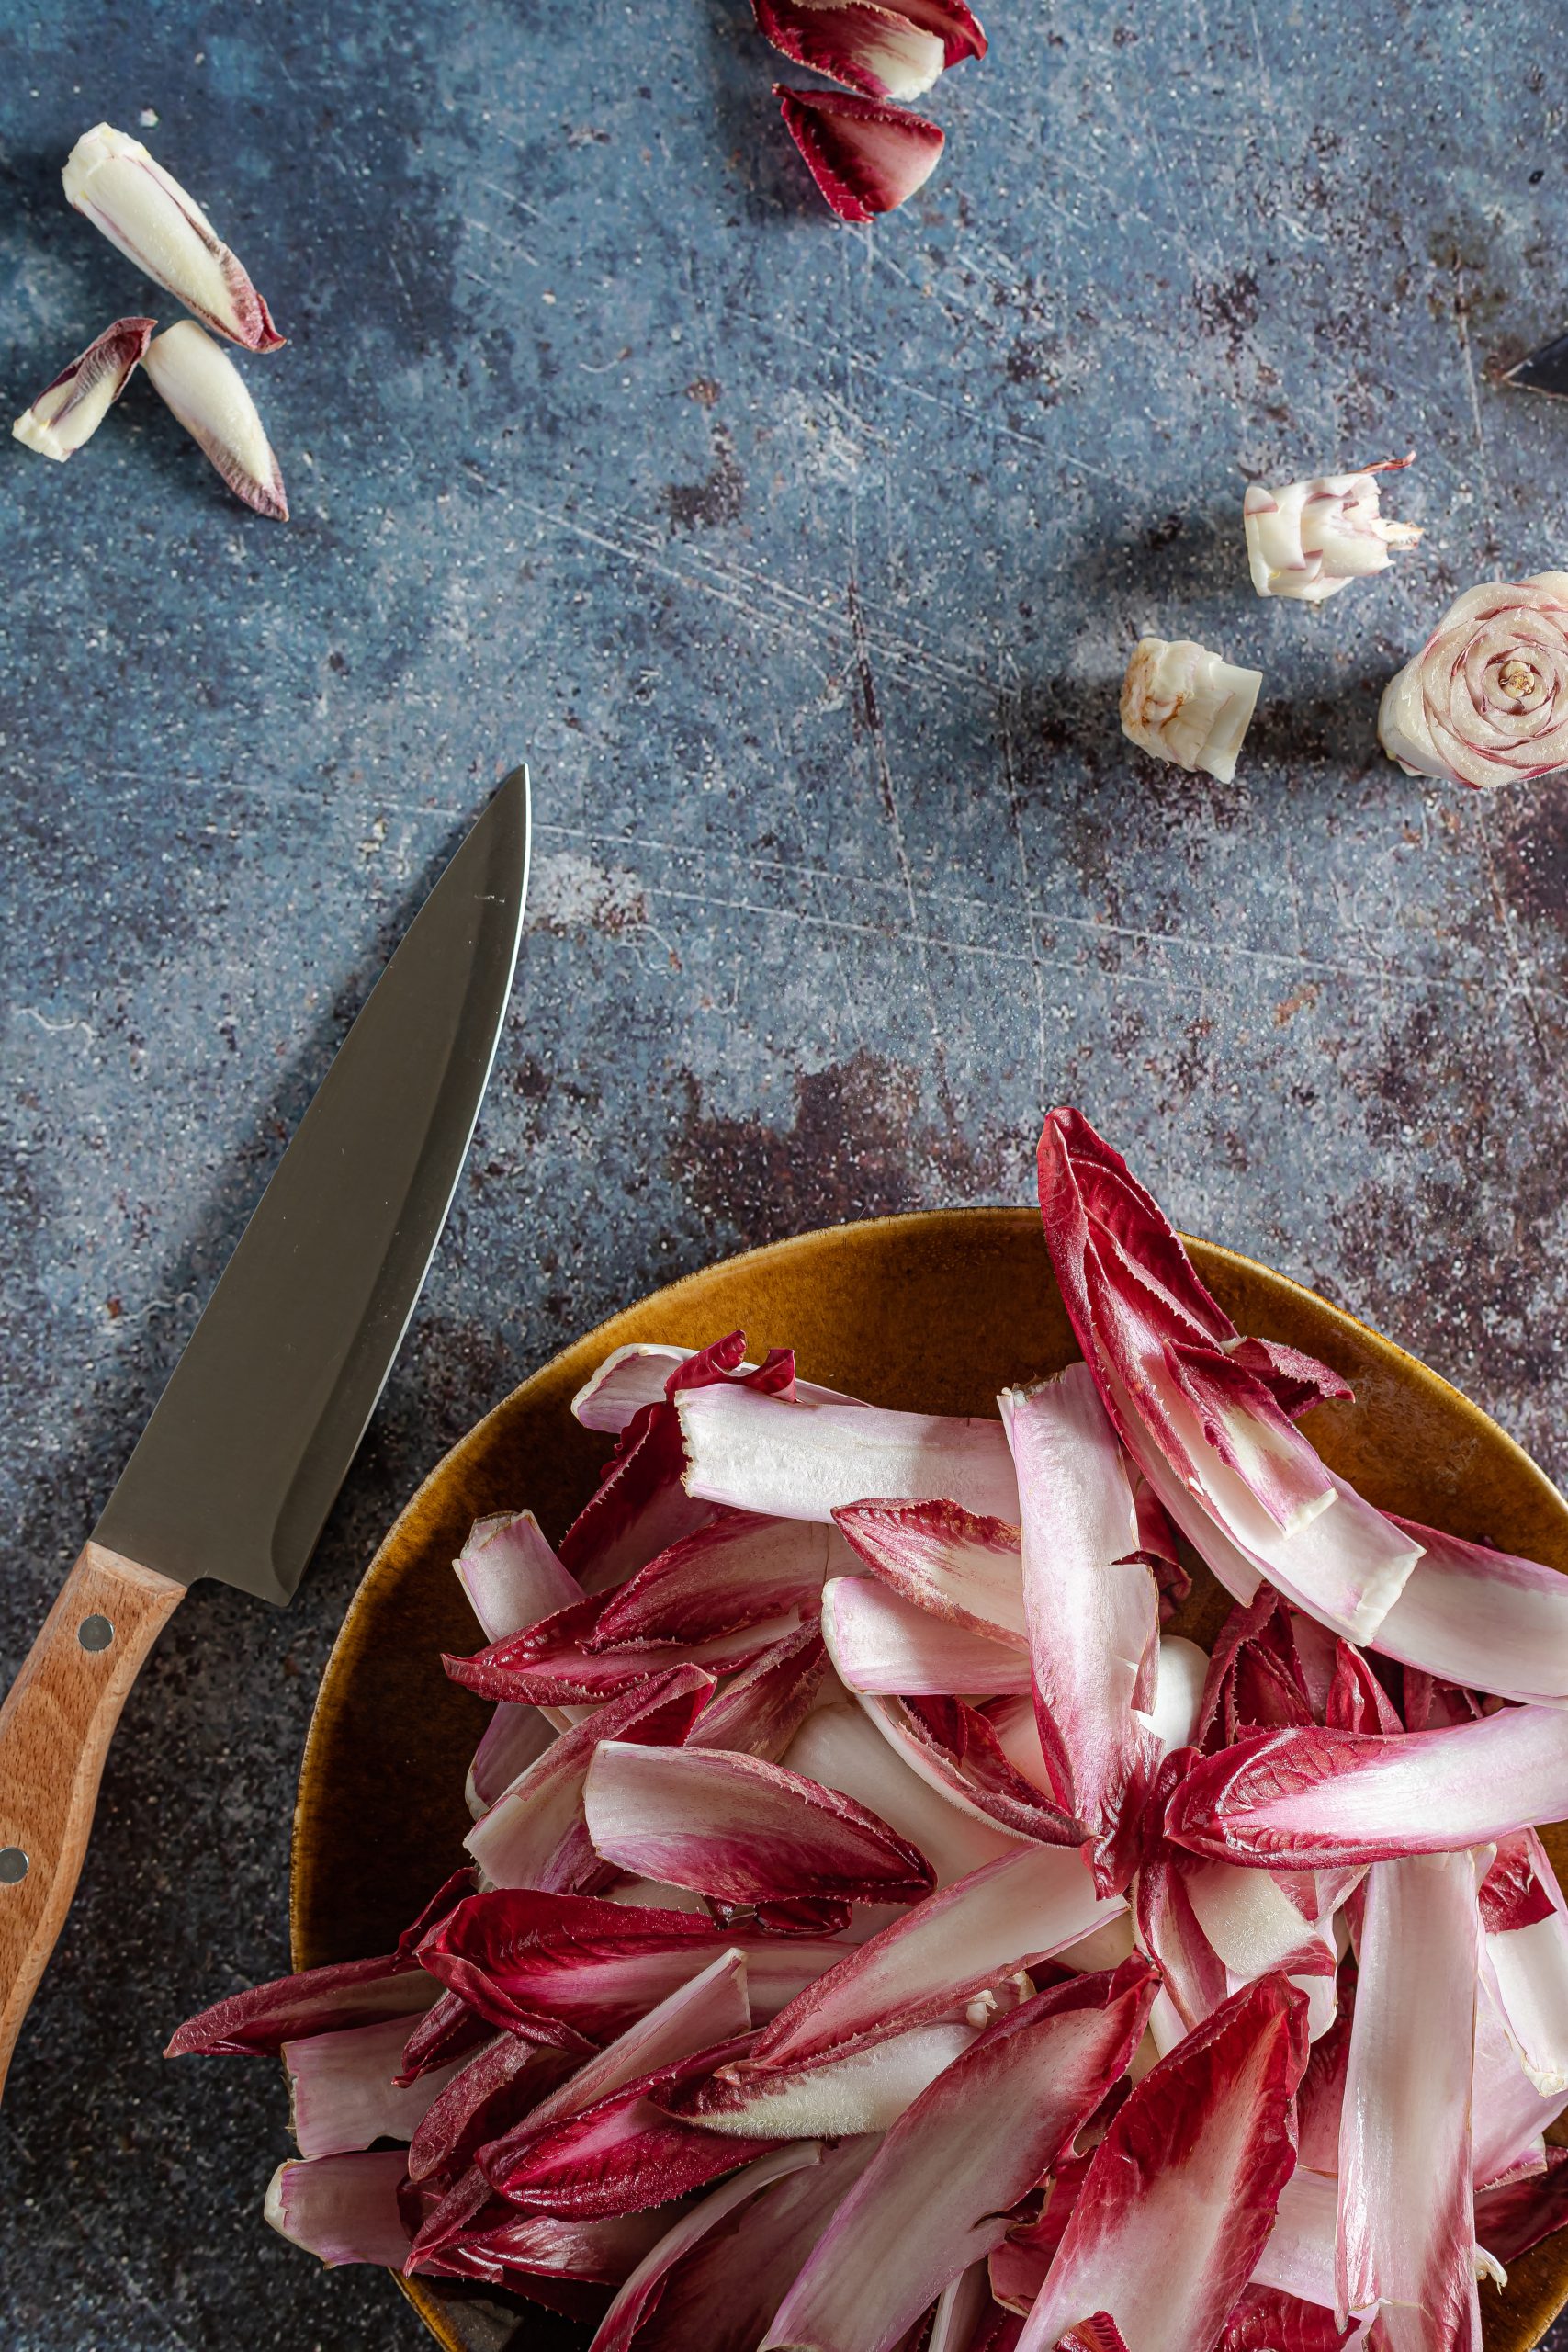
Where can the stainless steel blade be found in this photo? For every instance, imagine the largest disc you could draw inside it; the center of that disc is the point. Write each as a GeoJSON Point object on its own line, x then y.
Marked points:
{"type": "Point", "coordinates": [1545, 370]}
{"type": "Point", "coordinates": [240, 1464]}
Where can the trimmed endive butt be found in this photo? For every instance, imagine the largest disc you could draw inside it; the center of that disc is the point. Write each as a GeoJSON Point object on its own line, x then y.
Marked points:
{"type": "Point", "coordinates": [147, 215]}
{"type": "Point", "coordinates": [208, 395]}
{"type": "Point", "coordinates": [1186, 705]}
{"type": "Point", "coordinates": [1312, 538]}
{"type": "Point", "coordinates": [1486, 701]}
{"type": "Point", "coordinates": [70, 410]}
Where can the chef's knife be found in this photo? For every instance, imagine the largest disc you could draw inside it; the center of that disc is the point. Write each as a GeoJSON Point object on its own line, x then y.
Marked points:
{"type": "Point", "coordinates": [238, 1467]}
{"type": "Point", "coordinates": [1545, 370]}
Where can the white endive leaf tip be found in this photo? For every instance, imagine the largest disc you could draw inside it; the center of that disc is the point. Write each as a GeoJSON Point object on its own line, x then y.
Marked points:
{"type": "Point", "coordinates": [207, 392]}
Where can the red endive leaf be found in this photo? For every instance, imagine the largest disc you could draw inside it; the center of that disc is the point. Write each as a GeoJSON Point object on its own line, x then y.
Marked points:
{"type": "Point", "coordinates": [1509, 2221]}
{"type": "Point", "coordinates": [533, 1963]}
{"type": "Point", "coordinates": [880, 1642]}
{"type": "Point", "coordinates": [1357, 1700]}
{"type": "Point", "coordinates": [1098, 2333]}
{"type": "Point", "coordinates": [753, 1452]}
{"type": "Point", "coordinates": [1019, 2264]}
{"type": "Point", "coordinates": [507, 2077]}
{"type": "Point", "coordinates": [344, 2208]}
{"type": "Point", "coordinates": [1407, 2224]}
{"type": "Point", "coordinates": [533, 1835]}
{"type": "Point", "coordinates": [1195, 1982]}
{"type": "Point", "coordinates": [972, 1758]}
{"type": "Point", "coordinates": [717, 2279]}
{"type": "Point", "coordinates": [1297, 2257]}
{"type": "Point", "coordinates": [864, 156]}
{"type": "Point", "coordinates": [514, 2249]}
{"type": "Point", "coordinates": [954, 23]}
{"type": "Point", "coordinates": [741, 1831]}
{"type": "Point", "coordinates": [1266, 2320]}
{"type": "Point", "coordinates": [68, 412]}
{"type": "Point", "coordinates": [832, 2095]}
{"type": "Point", "coordinates": [738, 1571]}
{"type": "Point", "coordinates": [559, 1662]}
{"type": "Point", "coordinates": [962, 2311]}
{"type": "Point", "coordinates": [943, 1954]}
{"type": "Point", "coordinates": [450, 2029]}
{"type": "Point", "coordinates": [1470, 1615]}
{"type": "Point", "coordinates": [1180, 2194]}
{"type": "Point", "coordinates": [634, 1377]}
{"type": "Point", "coordinates": [866, 47]}
{"type": "Point", "coordinates": [323, 2000]}
{"type": "Point", "coordinates": [954, 1565]}
{"type": "Point", "coordinates": [840, 1746]}
{"type": "Point", "coordinates": [644, 2290]}
{"type": "Point", "coordinates": [621, 2155]}
{"type": "Point", "coordinates": [1204, 1421]}
{"type": "Point", "coordinates": [344, 2093]}
{"type": "Point", "coordinates": [711, 2007]}
{"type": "Point", "coordinates": [1513, 1894]}
{"type": "Point", "coordinates": [1316, 1798]}
{"type": "Point", "coordinates": [1508, 2115]}
{"type": "Point", "coordinates": [641, 1506]}
{"type": "Point", "coordinates": [514, 1737]}
{"type": "Point", "coordinates": [759, 1711]}
{"type": "Point", "coordinates": [1092, 1613]}
{"type": "Point", "coordinates": [1321, 2098]}
{"type": "Point", "coordinates": [512, 1576]}
{"type": "Point", "coordinates": [935, 2197]}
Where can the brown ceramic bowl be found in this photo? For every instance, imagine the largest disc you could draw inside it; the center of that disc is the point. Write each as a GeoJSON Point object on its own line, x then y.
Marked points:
{"type": "Point", "coordinates": [935, 1312]}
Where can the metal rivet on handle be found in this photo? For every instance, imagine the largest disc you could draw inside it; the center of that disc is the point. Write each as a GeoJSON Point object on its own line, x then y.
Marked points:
{"type": "Point", "coordinates": [94, 1633]}
{"type": "Point", "coordinates": [14, 1866]}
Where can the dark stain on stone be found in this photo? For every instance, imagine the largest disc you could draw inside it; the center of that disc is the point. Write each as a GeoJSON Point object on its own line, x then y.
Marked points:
{"type": "Point", "coordinates": [1449, 1262]}
{"type": "Point", "coordinates": [718, 498]}
{"type": "Point", "coordinates": [704, 391]}
{"type": "Point", "coordinates": [1532, 859]}
{"type": "Point", "coordinates": [858, 1146]}
{"type": "Point", "coordinates": [1228, 308]}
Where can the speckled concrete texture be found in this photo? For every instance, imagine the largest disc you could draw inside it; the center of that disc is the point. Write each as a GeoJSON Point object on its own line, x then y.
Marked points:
{"type": "Point", "coordinates": [801, 563]}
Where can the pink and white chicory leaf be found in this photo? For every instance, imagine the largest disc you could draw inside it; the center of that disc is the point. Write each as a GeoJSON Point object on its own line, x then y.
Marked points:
{"type": "Point", "coordinates": [865, 46]}
{"type": "Point", "coordinates": [741, 1831]}
{"type": "Point", "coordinates": [1405, 2219]}
{"type": "Point", "coordinates": [1092, 1613]}
{"type": "Point", "coordinates": [343, 2209]}
{"type": "Point", "coordinates": [987, 1764]}
{"type": "Point", "coordinates": [1208, 1416]}
{"type": "Point", "coordinates": [534, 1833]}
{"type": "Point", "coordinates": [532, 1962]}
{"type": "Point", "coordinates": [343, 2092]}
{"type": "Point", "coordinates": [880, 1642]}
{"type": "Point", "coordinates": [323, 2000]}
{"type": "Point", "coordinates": [1525, 1956]}
{"type": "Point", "coordinates": [834, 2096]}
{"type": "Point", "coordinates": [967, 1570]}
{"type": "Point", "coordinates": [840, 1746]}
{"type": "Point", "coordinates": [639, 2299]}
{"type": "Point", "coordinates": [1180, 2194]}
{"type": "Point", "coordinates": [941, 1956]}
{"type": "Point", "coordinates": [757, 1452]}
{"type": "Point", "coordinates": [935, 2198]}
{"type": "Point", "coordinates": [725, 2267]}
{"type": "Point", "coordinates": [759, 1711]}
{"type": "Point", "coordinates": [1319, 1798]}
{"type": "Point", "coordinates": [865, 156]}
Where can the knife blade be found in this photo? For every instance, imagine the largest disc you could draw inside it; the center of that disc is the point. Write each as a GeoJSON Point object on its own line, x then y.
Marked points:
{"type": "Point", "coordinates": [239, 1465]}
{"type": "Point", "coordinates": [1545, 370]}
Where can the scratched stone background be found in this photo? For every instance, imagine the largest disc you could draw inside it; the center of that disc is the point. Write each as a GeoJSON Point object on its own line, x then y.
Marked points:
{"type": "Point", "coordinates": [801, 562]}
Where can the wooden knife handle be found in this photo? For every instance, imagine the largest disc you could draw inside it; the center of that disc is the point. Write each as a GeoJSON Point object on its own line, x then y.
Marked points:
{"type": "Point", "coordinates": [55, 1729]}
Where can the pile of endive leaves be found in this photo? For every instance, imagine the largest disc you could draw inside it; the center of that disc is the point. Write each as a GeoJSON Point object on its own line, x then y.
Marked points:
{"type": "Point", "coordinates": [878, 1935]}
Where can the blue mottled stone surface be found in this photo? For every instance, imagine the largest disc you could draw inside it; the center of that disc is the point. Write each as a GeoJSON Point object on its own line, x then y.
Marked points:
{"type": "Point", "coordinates": [802, 564]}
